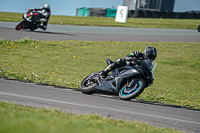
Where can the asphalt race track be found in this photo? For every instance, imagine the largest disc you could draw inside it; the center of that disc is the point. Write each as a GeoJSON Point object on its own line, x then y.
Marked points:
{"type": "Point", "coordinates": [108, 106]}
{"type": "Point", "coordinates": [91, 33]}
{"type": "Point", "coordinates": [105, 105]}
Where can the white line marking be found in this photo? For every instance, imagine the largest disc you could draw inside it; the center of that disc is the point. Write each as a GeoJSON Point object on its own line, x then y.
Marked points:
{"type": "Point", "coordinates": [98, 107]}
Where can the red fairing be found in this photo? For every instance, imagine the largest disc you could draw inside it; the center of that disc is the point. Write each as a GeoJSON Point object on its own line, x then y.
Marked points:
{"type": "Point", "coordinates": [35, 14]}
{"type": "Point", "coordinates": [29, 15]}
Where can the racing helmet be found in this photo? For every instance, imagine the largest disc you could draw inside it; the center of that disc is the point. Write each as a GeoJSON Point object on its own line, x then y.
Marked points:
{"type": "Point", "coordinates": [46, 6]}
{"type": "Point", "coordinates": [150, 53]}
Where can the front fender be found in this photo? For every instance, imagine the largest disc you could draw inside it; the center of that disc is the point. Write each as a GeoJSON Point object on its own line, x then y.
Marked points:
{"type": "Point", "coordinates": [124, 76]}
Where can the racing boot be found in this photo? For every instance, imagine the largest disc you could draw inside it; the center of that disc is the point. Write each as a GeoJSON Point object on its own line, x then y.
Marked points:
{"type": "Point", "coordinates": [43, 27]}
{"type": "Point", "coordinates": [105, 72]}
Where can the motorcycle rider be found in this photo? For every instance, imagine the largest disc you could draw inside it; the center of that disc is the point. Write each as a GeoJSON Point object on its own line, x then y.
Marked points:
{"type": "Point", "coordinates": [134, 57]}
{"type": "Point", "coordinates": [45, 15]}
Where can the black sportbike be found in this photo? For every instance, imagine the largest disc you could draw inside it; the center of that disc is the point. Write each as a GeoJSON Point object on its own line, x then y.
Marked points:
{"type": "Point", "coordinates": [31, 20]}
{"type": "Point", "coordinates": [128, 82]}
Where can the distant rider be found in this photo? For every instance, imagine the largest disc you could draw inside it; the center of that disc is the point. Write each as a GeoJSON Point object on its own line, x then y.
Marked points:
{"type": "Point", "coordinates": [134, 57]}
{"type": "Point", "coordinates": [45, 15]}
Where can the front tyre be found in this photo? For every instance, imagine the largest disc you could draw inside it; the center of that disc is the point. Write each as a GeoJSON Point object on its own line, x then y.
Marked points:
{"type": "Point", "coordinates": [20, 25]}
{"type": "Point", "coordinates": [198, 28]}
{"type": "Point", "coordinates": [127, 93]}
{"type": "Point", "coordinates": [87, 85]}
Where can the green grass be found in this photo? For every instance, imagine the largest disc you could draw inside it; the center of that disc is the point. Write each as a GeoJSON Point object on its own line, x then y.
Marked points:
{"type": "Point", "coordinates": [103, 21]}
{"type": "Point", "coordinates": [17, 119]}
{"type": "Point", "coordinates": [67, 63]}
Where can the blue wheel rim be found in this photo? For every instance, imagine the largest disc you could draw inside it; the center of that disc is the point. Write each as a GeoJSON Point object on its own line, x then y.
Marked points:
{"type": "Point", "coordinates": [126, 94]}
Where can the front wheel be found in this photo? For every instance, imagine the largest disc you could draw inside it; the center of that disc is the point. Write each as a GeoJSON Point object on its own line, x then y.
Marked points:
{"type": "Point", "coordinates": [87, 85]}
{"type": "Point", "coordinates": [128, 92]}
{"type": "Point", "coordinates": [20, 25]}
{"type": "Point", "coordinates": [198, 28]}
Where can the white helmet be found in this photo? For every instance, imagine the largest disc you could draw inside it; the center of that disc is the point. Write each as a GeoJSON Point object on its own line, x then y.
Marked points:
{"type": "Point", "coordinates": [46, 6]}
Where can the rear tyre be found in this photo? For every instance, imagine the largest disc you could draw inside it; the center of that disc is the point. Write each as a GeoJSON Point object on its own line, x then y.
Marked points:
{"type": "Point", "coordinates": [198, 28]}
{"type": "Point", "coordinates": [87, 85]}
{"type": "Point", "coordinates": [20, 25]}
{"type": "Point", "coordinates": [127, 93]}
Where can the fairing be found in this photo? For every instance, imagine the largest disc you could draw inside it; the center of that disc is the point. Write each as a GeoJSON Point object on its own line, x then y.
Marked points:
{"type": "Point", "coordinates": [113, 85]}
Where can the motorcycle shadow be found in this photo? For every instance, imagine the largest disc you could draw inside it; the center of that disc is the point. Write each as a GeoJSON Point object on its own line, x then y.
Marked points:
{"type": "Point", "coordinates": [48, 32]}
{"type": "Point", "coordinates": [139, 101]}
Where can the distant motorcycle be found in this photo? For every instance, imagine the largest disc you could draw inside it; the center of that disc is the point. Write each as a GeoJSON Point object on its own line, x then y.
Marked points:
{"type": "Point", "coordinates": [31, 20]}
{"type": "Point", "coordinates": [128, 82]}
{"type": "Point", "coordinates": [198, 28]}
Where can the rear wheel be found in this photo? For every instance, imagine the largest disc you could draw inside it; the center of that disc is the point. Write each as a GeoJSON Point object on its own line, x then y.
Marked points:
{"type": "Point", "coordinates": [87, 85]}
{"type": "Point", "coordinates": [128, 92]}
{"type": "Point", "coordinates": [20, 25]}
{"type": "Point", "coordinates": [198, 28]}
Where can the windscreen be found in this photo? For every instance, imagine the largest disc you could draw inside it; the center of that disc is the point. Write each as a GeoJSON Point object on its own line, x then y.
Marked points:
{"type": "Point", "coordinates": [151, 64]}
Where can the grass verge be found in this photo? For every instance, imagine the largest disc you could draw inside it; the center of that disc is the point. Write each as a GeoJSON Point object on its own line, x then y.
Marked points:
{"type": "Point", "coordinates": [17, 119]}
{"type": "Point", "coordinates": [103, 21]}
{"type": "Point", "coordinates": [67, 63]}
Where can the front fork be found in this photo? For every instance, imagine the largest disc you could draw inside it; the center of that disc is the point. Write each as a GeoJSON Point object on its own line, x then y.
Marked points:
{"type": "Point", "coordinates": [129, 85]}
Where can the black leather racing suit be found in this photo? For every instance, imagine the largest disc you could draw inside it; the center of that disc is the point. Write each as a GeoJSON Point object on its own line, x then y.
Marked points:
{"type": "Point", "coordinates": [133, 57]}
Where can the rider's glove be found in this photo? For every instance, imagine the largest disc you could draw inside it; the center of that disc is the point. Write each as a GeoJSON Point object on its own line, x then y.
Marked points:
{"type": "Point", "coordinates": [134, 53]}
